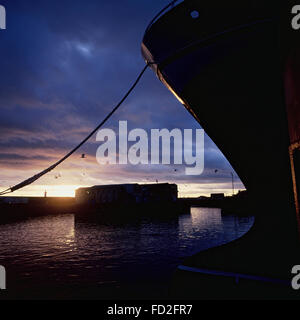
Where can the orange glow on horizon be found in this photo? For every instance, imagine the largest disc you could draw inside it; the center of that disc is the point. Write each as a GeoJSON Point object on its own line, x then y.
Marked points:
{"type": "Point", "coordinates": [184, 190]}
{"type": "Point", "coordinates": [52, 191]}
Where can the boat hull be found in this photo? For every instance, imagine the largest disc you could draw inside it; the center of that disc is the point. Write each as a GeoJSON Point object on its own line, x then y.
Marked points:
{"type": "Point", "coordinates": [231, 81]}
{"type": "Point", "coordinates": [228, 72]}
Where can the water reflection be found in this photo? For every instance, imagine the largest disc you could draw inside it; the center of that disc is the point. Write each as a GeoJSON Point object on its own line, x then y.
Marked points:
{"type": "Point", "coordinates": [61, 251]}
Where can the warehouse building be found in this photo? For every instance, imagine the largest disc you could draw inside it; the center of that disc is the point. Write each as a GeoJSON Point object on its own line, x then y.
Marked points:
{"type": "Point", "coordinates": [127, 194]}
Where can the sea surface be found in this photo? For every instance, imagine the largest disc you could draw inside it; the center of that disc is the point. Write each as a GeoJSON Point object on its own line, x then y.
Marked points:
{"type": "Point", "coordinates": [59, 257]}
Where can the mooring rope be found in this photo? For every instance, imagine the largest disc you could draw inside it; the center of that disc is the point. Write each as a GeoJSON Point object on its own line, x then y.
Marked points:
{"type": "Point", "coordinates": [42, 173]}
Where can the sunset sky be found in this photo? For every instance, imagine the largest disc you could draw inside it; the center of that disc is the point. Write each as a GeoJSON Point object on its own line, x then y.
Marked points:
{"type": "Point", "coordinates": [64, 65]}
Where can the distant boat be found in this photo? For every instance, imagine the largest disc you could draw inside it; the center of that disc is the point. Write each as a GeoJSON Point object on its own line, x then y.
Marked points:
{"type": "Point", "coordinates": [222, 60]}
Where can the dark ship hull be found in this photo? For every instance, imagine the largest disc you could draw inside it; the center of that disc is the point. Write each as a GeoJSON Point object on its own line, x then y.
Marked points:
{"type": "Point", "coordinates": [227, 68]}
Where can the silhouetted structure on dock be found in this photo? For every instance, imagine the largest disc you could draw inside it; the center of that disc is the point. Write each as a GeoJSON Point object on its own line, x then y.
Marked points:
{"type": "Point", "coordinates": [17, 208]}
{"type": "Point", "coordinates": [127, 194]}
{"type": "Point", "coordinates": [125, 200]}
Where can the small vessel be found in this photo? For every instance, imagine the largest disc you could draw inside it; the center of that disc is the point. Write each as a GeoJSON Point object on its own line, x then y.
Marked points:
{"type": "Point", "coordinates": [234, 66]}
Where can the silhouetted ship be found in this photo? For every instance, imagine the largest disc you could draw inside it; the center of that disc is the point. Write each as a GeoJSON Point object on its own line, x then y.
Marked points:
{"type": "Point", "coordinates": [224, 62]}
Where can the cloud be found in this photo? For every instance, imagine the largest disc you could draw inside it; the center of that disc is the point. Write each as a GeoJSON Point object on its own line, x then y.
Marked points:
{"type": "Point", "coordinates": [64, 65]}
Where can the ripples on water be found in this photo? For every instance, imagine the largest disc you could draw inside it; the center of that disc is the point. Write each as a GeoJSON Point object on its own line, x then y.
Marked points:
{"type": "Point", "coordinates": [59, 253]}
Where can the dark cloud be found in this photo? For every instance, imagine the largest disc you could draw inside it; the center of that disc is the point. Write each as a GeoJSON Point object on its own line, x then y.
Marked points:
{"type": "Point", "coordinates": [64, 64]}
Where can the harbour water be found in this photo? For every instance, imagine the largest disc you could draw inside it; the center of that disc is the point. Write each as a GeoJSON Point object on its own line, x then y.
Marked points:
{"type": "Point", "coordinates": [60, 257]}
